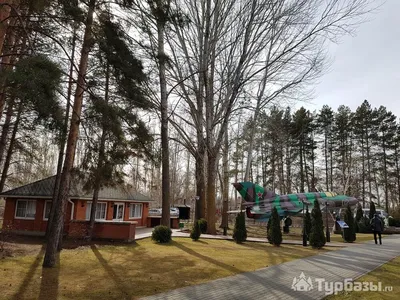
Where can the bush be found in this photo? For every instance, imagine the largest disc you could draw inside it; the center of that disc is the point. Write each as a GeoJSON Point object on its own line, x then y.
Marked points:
{"type": "Point", "coordinates": [317, 237]}
{"type": "Point", "coordinates": [394, 222]}
{"type": "Point", "coordinates": [359, 215]}
{"type": "Point", "coordinates": [161, 234]}
{"type": "Point", "coordinates": [274, 230]}
{"type": "Point", "coordinates": [268, 227]}
{"type": "Point", "coordinates": [364, 225]}
{"type": "Point", "coordinates": [349, 234]}
{"type": "Point", "coordinates": [307, 224]}
{"type": "Point", "coordinates": [195, 234]}
{"type": "Point", "coordinates": [203, 225]}
{"type": "Point", "coordinates": [239, 231]}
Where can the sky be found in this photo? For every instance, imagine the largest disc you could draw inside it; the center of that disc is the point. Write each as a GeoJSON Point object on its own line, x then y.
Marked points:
{"type": "Point", "coordinates": [364, 66]}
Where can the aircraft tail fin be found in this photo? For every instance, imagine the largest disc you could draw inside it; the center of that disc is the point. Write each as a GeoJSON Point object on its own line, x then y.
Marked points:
{"type": "Point", "coordinates": [253, 193]}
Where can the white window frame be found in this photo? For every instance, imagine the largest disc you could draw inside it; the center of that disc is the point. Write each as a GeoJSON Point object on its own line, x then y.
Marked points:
{"type": "Point", "coordinates": [87, 218]}
{"type": "Point", "coordinates": [130, 210]}
{"type": "Point", "coordinates": [123, 211]}
{"type": "Point", "coordinates": [47, 202]}
{"type": "Point", "coordinates": [16, 209]}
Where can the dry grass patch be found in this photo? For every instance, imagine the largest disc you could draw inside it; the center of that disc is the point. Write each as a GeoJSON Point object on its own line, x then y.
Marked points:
{"type": "Point", "coordinates": [388, 274]}
{"type": "Point", "coordinates": [131, 271]}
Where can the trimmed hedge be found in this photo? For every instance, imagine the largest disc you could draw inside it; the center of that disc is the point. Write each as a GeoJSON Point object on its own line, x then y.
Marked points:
{"type": "Point", "coordinates": [203, 225]}
{"type": "Point", "coordinates": [161, 234]}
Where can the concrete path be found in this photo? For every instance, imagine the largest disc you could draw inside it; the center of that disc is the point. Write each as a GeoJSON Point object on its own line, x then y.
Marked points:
{"type": "Point", "coordinates": [275, 282]}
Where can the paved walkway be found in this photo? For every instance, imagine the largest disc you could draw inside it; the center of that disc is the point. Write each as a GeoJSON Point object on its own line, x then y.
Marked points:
{"type": "Point", "coordinates": [275, 282]}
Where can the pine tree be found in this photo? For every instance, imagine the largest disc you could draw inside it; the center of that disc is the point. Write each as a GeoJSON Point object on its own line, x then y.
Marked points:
{"type": "Point", "coordinates": [349, 233]}
{"type": "Point", "coordinates": [268, 232]}
{"type": "Point", "coordinates": [325, 123]}
{"type": "Point", "coordinates": [359, 215]}
{"type": "Point", "coordinates": [307, 224]}
{"type": "Point", "coordinates": [343, 151]}
{"type": "Point", "coordinates": [386, 144]}
{"type": "Point", "coordinates": [372, 210]}
{"type": "Point", "coordinates": [301, 130]}
{"type": "Point", "coordinates": [240, 231]}
{"type": "Point", "coordinates": [274, 230]}
{"type": "Point", "coordinates": [317, 237]}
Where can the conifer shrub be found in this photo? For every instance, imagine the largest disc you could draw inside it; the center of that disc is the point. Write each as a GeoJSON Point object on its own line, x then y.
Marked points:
{"type": "Point", "coordinates": [372, 210]}
{"type": "Point", "coordinates": [195, 234]}
{"type": "Point", "coordinates": [359, 215]}
{"type": "Point", "coordinates": [203, 225]}
{"type": "Point", "coordinates": [240, 231]}
{"type": "Point", "coordinates": [274, 230]}
{"type": "Point", "coordinates": [317, 237]}
{"type": "Point", "coordinates": [161, 234]}
{"type": "Point", "coordinates": [268, 232]}
{"type": "Point", "coordinates": [307, 224]}
{"type": "Point", "coordinates": [349, 234]}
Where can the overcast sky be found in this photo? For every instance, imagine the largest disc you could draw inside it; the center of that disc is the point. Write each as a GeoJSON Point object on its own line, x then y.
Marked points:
{"type": "Point", "coordinates": [365, 66]}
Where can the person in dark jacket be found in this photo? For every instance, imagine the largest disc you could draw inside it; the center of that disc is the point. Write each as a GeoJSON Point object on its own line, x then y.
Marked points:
{"type": "Point", "coordinates": [377, 227]}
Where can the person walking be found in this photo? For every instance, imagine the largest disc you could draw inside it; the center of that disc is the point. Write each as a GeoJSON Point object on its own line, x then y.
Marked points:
{"type": "Point", "coordinates": [377, 228]}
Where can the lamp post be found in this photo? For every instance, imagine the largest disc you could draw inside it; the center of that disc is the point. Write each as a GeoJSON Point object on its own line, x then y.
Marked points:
{"type": "Point", "coordinates": [328, 235]}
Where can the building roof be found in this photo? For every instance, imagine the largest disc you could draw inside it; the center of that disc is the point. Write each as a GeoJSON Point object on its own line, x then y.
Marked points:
{"type": "Point", "coordinates": [44, 189]}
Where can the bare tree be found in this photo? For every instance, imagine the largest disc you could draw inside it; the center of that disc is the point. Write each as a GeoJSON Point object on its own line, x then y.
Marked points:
{"type": "Point", "coordinates": [294, 56]}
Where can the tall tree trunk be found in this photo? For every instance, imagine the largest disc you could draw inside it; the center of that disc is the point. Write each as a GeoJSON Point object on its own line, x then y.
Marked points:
{"type": "Point", "coordinates": [200, 204]}
{"type": "Point", "coordinates": [331, 162]}
{"type": "Point", "coordinates": [100, 162]}
{"type": "Point", "coordinates": [326, 160]}
{"type": "Point", "coordinates": [56, 230]}
{"type": "Point", "coordinates": [368, 164]}
{"type": "Point", "coordinates": [6, 128]}
{"type": "Point", "coordinates": [165, 217]}
{"type": "Point", "coordinates": [63, 140]}
{"type": "Point", "coordinates": [10, 148]}
{"type": "Point", "coordinates": [301, 168]}
{"type": "Point", "coordinates": [225, 186]}
{"type": "Point", "coordinates": [5, 10]}
{"type": "Point", "coordinates": [288, 170]}
{"type": "Point", "coordinates": [397, 156]}
{"type": "Point", "coordinates": [7, 62]}
{"type": "Point", "coordinates": [385, 174]}
{"type": "Point", "coordinates": [363, 168]}
{"type": "Point", "coordinates": [187, 179]}
{"type": "Point", "coordinates": [211, 177]}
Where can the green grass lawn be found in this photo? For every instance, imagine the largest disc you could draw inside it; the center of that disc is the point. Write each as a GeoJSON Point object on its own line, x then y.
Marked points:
{"type": "Point", "coordinates": [131, 271]}
{"type": "Point", "coordinates": [388, 274]}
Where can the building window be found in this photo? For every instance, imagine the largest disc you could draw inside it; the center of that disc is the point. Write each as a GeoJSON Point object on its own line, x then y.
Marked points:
{"type": "Point", "coordinates": [25, 209]}
{"type": "Point", "coordinates": [101, 211]}
{"type": "Point", "coordinates": [46, 211]}
{"type": "Point", "coordinates": [135, 211]}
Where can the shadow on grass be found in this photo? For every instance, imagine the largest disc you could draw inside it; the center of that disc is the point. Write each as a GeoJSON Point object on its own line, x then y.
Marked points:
{"type": "Point", "coordinates": [50, 281]}
{"type": "Point", "coordinates": [29, 275]}
{"type": "Point", "coordinates": [201, 242]}
{"type": "Point", "coordinates": [206, 258]}
{"type": "Point", "coordinates": [111, 273]}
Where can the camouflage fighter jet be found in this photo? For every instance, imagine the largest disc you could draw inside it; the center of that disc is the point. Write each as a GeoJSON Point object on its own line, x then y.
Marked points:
{"type": "Point", "coordinates": [259, 202]}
